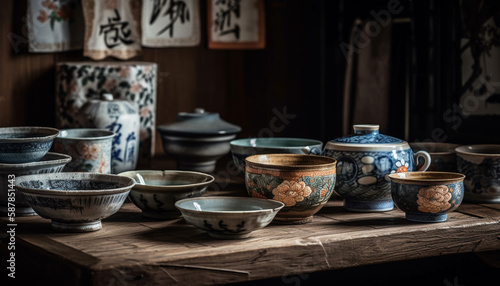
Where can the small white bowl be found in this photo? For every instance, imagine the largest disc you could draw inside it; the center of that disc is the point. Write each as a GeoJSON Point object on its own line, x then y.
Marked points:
{"type": "Point", "coordinates": [229, 217]}
{"type": "Point", "coordinates": [159, 191]}
{"type": "Point", "coordinates": [75, 202]}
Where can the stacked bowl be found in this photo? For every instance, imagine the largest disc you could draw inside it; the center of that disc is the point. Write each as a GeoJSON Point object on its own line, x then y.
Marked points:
{"type": "Point", "coordinates": [25, 151]}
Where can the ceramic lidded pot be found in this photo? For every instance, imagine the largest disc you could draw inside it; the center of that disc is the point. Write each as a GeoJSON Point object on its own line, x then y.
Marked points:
{"type": "Point", "coordinates": [365, 159]}
{"type": "Point", "coordinates": [120, 117]}
{"type": "Point", "coordinates": [197, 139]}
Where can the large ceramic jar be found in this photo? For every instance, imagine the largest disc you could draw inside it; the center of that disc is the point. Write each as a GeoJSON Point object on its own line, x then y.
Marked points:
{"type": "Point", "coordinates": [364, 161]}
{"type": "Point", "coordinates": [196, 140]}
{"type": "Point", "coordinates": [120, 117]}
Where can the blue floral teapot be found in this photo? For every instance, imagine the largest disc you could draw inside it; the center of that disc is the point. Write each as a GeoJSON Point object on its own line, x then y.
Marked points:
{"type": "Point", "coordinates": [364, 161]}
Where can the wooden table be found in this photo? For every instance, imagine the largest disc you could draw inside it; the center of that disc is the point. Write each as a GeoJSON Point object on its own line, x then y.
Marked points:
{"type": "Point", "coordinates": [133, 250]}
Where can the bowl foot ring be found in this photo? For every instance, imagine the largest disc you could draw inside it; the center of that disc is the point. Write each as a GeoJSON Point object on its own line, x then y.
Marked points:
{"type": "Point", "coordinates": [426, 217]}
{"type": "Point", "coordinates": [369, 206]}
{"type": "Point", "coordinates": [77, 227]}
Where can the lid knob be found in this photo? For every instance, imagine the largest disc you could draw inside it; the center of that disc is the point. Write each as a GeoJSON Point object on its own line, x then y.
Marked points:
{"type": "Point", "coordinates": [199, 110]}
{"type": "Point", "coordinates": [366, 128]}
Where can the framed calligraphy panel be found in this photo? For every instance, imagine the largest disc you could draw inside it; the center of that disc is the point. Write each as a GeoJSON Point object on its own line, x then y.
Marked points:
{"type": "Point", "coordinates": [236, 24]}
{"type": "Point", "coordinates": [55, 26]}
{"type": "Point", "coordinates": [170, 23]}
{"type": "Point", "coordinates": [112, 28]}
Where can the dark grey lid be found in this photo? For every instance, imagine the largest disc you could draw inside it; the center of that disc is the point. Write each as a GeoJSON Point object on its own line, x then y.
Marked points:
{"type": "Point", "coordinates": [197, 123]}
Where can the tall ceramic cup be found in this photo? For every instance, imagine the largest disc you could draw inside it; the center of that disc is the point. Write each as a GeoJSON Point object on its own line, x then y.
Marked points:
{"type": "Point", "coordinates": [89, 148]}
{"type": "Point", "coordinates": [481, 166]}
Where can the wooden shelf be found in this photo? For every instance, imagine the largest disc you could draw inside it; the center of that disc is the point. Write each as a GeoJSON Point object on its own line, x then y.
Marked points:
{"type": "Point", "coordinates": [133, 250]}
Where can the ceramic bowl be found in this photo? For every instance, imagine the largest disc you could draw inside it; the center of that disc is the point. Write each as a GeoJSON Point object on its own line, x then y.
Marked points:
{"type": "Point", "coordinates": [365, 159]}
{"type": "Point", "coordinates": [156, 192]}
{"type": "Point", "coordinates": [304, 183]}
{"type": "Point", "coordinates": [443, 156]}
{"type": "Point", "coordinates": [427, 196]}
{"type": "Point", "coordinates": [25, 144]}
{"type": "Point", "coordinates": [50, 163]}
{"type": "Point", "coordinates": [90, 149]}
{"type": "Point", "coordinates": [242, 148]}
{"type": "Point", "coordinates": [481, 166]}
{"type": "Point", "coordinates": [229, 217]}
{"type": "Point", "coordinates": [75, 202]}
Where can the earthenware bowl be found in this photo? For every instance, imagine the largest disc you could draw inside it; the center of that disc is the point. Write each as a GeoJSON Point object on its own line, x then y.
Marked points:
{"type": "Point", "coordinates": [365, 158]}
{"type": "Point", "coordinates": [481, 166]}
{"type": "Point", "coordinates": [427, 196]}
{"type": "Point", "coordinates": [25, 144]}
{"type": "Point", "coordinates": [443, 156]}
{"type": "Point", "coordinates": [228, 217]}
{"type": "Point", "coordinates": [304, 183]}
{"type": "Point", "coordinates": [90, 149]}
{"type": "Point", "coordinates": [196, 140]}
{"type": "Point", "coordinates": [75, 202]}
{"type": "Point", "coordinates": [156, 192]}
{"type": "Point", "coordinates": [50, 163]}
{"type": "Point", "coordinates": [242, 148]}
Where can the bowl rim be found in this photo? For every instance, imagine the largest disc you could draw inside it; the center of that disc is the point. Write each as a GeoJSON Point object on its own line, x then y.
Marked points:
{"type": "Point", "coordinates": [452, 147]}
{"type": "Point", "coordinates": [453, 178]}
{"type": "Point", "coordinates": [252, 163]}
{"type": "Point", "coordinates": [58, 159]}
{"type": "Point", "coordinates": [462, 150]}
{"type": "Point", "coordinates": [153, 188]}
{"type": "Point", "coordinates": [237, 142]}
{"type": "Point", "coordinates": [107, 134]}
{"type": "Point", "coordinates": [52, 133]}
{"type": "Point", "coordinates": [129, 183]}
{"type": "Point", "coordinates": [279, 205]}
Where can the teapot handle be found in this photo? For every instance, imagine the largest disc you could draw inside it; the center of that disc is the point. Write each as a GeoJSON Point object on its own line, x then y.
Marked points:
{"type": "Point", "coordinates": [427, 160]}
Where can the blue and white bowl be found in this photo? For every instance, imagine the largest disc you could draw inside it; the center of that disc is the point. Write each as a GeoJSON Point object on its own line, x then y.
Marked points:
{"type": "Point", "coordinates": [75, 202]}
{"type": "Point", "coordinates": [25, 144]}
{"type": "Point", "coordinates": [50, 163]}
{"type": "Point", "coordinates": [229, 217]}
{"type": "Point", "coordinates": [427, 196]}
{"type": "Point", "coordinates": [481, 165]}
{"type": "Point", "coordinates": [364, 161]}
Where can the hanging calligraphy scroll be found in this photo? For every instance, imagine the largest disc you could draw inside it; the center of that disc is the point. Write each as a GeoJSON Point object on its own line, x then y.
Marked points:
{"type": "Point", "coordinates": [55, 26]}
{"type": "Point", "coordinates": [170, 23]}
{"type": "Point", "coordinates": [236, 24]}
{"type": "Point", "coordinates": [112, 28]}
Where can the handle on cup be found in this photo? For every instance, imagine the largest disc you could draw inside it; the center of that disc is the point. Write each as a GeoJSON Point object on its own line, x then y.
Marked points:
{"type": "Point", "coordinates": [427, 159]}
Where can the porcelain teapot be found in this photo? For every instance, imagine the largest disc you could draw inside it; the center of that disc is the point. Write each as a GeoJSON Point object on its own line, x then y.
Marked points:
{"type": "Point", "coordinates": [364, 161]}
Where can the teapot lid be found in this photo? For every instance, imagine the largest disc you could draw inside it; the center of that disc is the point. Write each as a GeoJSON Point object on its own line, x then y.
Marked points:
{"type": "Point", "coordinates": [199, 122]}
{"type": "Point", "coordinates": [367, 134]}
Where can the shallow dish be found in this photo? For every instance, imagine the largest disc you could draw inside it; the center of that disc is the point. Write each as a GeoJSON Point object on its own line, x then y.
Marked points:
{"type": "Point", "coordinates": [75, 202]}
{"type": "Point", "coordinates": [242, 148]}
{"type": "Point", "coordinates": [304, 183]}
{"type": "Point", "coordinates": [25, 144]}
{"type": "Point", "coordinates": [156, 192]}
{"type": "Point", "coordinates": [50, 163]}
{"type": "Point", "coordinates": [229, 217]}
{"type": "Point", "coordinates": [427, 196]}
